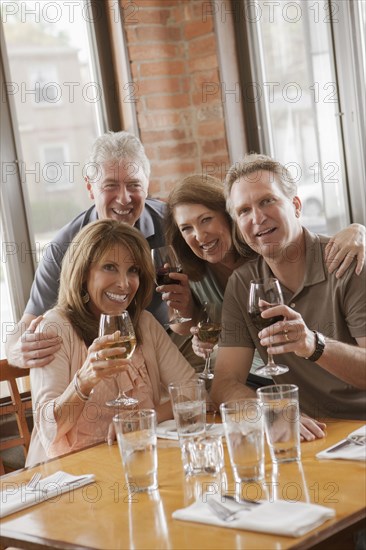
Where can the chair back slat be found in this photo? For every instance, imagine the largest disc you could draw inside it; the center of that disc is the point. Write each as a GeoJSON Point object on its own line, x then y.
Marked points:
{"type": "Point", "coordinates": [10, 374]}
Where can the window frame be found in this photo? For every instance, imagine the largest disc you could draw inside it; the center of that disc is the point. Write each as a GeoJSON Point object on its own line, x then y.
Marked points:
{"type": "Point", "coordinates": [352, 115]}
{"type": "Point", "coordinates": [21, 267]}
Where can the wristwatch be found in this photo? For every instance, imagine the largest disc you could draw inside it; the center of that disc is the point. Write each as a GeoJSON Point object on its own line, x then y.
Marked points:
{"type": "Point", "coordinates": [319, 346]}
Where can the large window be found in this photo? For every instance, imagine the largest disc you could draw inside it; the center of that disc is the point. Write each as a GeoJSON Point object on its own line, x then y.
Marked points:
{"type": "Point", "coordinates": [52, 109]}
{"type": "Point", "coordinates": [295, 93]}
{"type": "Point", "coordinates": [57, 101]}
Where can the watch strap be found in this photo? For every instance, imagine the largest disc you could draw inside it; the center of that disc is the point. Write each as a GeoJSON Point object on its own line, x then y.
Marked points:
{"type": "Point", "coordinates": [319, 347]}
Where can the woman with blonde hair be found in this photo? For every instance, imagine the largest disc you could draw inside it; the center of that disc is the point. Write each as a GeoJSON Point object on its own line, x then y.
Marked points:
{"type": "Point", "coordinates": [107, 269]}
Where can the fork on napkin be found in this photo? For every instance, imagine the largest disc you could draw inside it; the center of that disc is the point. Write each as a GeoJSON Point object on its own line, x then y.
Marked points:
{"type": "Point", "coordinates": [348, 451]}
{"type": "Point", "coordinates": [17, 496]}
{"type": "Point", "coordinates": [280, 517]}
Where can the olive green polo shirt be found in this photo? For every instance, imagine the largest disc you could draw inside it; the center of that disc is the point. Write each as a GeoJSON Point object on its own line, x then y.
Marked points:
{"type": "Point", "coordinates": [334, 307]}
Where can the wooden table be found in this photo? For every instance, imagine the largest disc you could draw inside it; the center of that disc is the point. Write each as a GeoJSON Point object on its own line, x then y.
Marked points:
{"type": "Point", "coordinates": [103, 515]}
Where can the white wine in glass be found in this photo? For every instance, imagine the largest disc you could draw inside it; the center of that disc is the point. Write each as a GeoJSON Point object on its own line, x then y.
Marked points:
{"type": "Point", "coordinates": [209, 329]}
{"type": "Point", "coordinates": [109, 324]}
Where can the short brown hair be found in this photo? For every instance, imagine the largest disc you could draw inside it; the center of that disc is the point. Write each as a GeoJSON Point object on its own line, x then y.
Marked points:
{"type": "Point", "coordinates": [89, 246]}
{"type": "Point", "coordinates": [253, 162]}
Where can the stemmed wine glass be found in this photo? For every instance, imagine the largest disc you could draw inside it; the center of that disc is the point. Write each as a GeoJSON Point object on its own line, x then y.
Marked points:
{"type": "Point", "coordinates": [263, 294]}
{"type": "Point", "coordinates": [165, 262]}
{"type": "Point", "coordinates": [109, 324]}
{"type": "Point", "coordinates": [209, 329]}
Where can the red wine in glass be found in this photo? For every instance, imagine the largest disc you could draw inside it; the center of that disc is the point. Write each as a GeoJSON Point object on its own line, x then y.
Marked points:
{"type": "Point", "coordinates": [263, 294]}
{"type": "Point", "coordinates": [165, 262]}
{"type": "Point", "coordinates": [162, 276]}
{"type": "Point", "coordinates": [259, 322]}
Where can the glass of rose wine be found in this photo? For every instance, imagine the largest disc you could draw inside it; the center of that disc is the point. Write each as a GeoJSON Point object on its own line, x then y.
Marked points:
{"type": "Point", "coordinates": [263, 294]}
{"type": "Point", "coordinates": [109, 324]}
{"type": "Point", "coordinates": [165, 262]}
{"type": "Point", "coordinates": [209, 329]}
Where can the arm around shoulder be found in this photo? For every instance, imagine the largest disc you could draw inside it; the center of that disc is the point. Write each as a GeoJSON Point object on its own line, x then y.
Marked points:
{"type": "Point", "coordinates": [27, 348]}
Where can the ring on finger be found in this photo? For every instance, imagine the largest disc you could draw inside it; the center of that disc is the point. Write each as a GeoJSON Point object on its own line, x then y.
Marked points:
{"type": "Point", "coordinates": [286, 335]}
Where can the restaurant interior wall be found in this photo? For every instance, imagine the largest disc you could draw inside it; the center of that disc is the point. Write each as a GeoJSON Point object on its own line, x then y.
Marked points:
{"type": "Point", "coordinates": [172, 49]}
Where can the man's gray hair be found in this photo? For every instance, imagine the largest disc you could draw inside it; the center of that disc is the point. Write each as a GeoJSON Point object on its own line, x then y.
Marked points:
{"type": "Point", "coordinates": [119, 146]}
{"type": "Point", "coordinates": [252, 163]}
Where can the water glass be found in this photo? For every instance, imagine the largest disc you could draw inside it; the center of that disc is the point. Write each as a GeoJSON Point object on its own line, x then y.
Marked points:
{"type": "Point", "coordinates": [203, 454]}
{"type": "Point", "coordinates": [136, 436]}
{"type": "Point", "coordinates": [281, 421]}
{"type": "Point", "coordinates": [244, 433]}
{"type": "Point", "coordinates": [189, 409]}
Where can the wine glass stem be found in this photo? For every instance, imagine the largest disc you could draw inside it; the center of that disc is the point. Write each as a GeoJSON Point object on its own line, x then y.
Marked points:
{"type": "Point", "coordinates": [206, 370]}
{"type": "Point", "coordinates": [120, 393]}
{"type": "Point", "coordinates": [270, 361]}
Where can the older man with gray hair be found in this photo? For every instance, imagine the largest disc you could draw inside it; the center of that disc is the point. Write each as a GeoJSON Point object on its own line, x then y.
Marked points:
{"type": "Point", "coordinates": [322, 338]}
{"type": "Point", "coordinates": [117, 181]}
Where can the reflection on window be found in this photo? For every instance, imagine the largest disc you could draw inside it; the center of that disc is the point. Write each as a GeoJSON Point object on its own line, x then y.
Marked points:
{"type": "Point", "coordinates": [54, 163]}
{"type": "Point", "coordinates": [299, 100]}
{"type": "Point", "coordinates": [57, 104]}
{"type": "Point", "coordinates": [44, 80]}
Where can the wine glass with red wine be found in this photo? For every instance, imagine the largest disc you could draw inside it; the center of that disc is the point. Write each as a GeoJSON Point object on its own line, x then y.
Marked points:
{"type": "Point", "coordinates": [165, 262]}
{"type": "Point", "coordinates": [263, 294]}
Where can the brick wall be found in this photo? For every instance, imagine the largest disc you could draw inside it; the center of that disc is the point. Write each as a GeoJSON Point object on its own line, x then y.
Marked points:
{"type": "Point", "coordinates": [175, 71]}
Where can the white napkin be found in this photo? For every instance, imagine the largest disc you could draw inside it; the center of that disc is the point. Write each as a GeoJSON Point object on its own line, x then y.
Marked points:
{"type": "Point", "coordinates": [168, 430]}
{"type": "Point", "coordinates": [280, 517]}
{"type": "Point", "coordinates": [16, 496]}
{"type": "Point", "coordinates": [348, 452]}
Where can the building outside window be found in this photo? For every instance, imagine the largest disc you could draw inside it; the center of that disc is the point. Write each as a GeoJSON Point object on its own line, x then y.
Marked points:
{"type": "Point", "coordinates": [295, 92]}
{"type": "Point", "coordinates": [54, 111]}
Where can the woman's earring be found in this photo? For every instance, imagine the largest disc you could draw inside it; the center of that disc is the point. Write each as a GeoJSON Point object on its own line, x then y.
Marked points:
{"type": "Point", "coordinates": [85, 297]}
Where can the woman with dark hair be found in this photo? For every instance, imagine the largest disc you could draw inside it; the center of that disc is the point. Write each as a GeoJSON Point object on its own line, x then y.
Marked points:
{"type": "Point", "coordinates": [107, 269]}
{"type": "Point", "coordinates": [209, 249]}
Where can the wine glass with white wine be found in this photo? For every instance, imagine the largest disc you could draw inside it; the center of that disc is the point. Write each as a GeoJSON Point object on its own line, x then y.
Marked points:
{"type": "Point", "coordinates": [110, 324]}
{"type": "Point", "coordinates": [209, 329]}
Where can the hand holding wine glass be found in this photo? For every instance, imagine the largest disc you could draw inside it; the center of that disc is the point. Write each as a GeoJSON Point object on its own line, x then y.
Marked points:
{"type": "Point", "coordinates": [119, 324]}
{"type": "Point", "coordinates": [165, 262]}
{"type": "Point", "coordinates": [264, 294]}
{"type": "Point", "coordinates": [209, 329]}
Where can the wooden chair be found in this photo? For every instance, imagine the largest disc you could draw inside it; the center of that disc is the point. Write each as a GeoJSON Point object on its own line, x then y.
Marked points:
{"type": "Point", "coordinates": [14, 405]}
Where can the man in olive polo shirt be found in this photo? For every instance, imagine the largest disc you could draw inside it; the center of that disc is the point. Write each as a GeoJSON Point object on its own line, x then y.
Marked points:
{"type": "Point", "coordinates": [322, 338]}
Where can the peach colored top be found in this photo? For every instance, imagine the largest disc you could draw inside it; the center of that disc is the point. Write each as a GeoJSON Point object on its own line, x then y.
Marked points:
{"type": "Point", "coordinates": [155, 364]}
